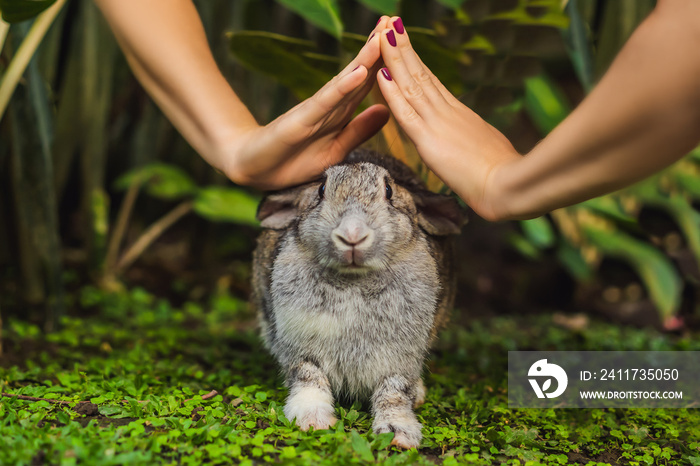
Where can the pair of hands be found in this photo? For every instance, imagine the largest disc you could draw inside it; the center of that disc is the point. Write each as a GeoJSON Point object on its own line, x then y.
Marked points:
{"type": "Point", "coordinates": [459, 146]}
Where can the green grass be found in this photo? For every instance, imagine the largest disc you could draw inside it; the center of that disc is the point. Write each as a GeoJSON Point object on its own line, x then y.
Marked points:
{"type": "Point", "coordinates": [130, 348]}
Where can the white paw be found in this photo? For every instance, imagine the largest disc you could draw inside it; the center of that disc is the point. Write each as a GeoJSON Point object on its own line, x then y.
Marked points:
{"type": "Point", "coordinates": [310, 407]}
{"type": "Point", "coordinates": [406, 431]}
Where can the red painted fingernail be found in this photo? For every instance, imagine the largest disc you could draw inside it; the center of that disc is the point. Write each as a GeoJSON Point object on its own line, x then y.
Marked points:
{"type": "Point", "coordinates": [370, 37]}
{"type": "Point", "coordinates": [391, 38]}
{"type": "Point", "coordinates": [386, 74]}
{"type": "Point", "coordinates": [378, 21]}
{"type": "Point", "coordinates": [355, 69]}
{"type": "Point", "coordinates": [398, 25]}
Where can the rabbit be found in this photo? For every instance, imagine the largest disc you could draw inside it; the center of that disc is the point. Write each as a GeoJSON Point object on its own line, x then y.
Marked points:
{"type": "Point", "coordinates": [351, 281]}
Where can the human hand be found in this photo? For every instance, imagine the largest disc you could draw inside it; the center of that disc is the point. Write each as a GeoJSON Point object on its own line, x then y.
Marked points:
{"type": "Point", "coordinates": [455, 143]}
{"type": "Point", "coordinates": [314, 135]}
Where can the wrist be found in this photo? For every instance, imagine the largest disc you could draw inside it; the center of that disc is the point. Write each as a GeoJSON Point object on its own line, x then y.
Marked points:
{"type": "Point", "coordinates": [228, 151]}
{"type": "Point", "coordinates": [505, 197]}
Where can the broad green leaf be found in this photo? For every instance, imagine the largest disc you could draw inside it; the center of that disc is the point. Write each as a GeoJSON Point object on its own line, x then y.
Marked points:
{"type": "Point", "coordinates": [361, 446]}
{"type": "Point", "coordinates": [223, 204]}
{"type": "Point", "coordinates": [579, 46]}
{"type": "Point", "coordinates": [617, 21]}
{"type": "Point", "coordinates": [352, 43]}
{"type": "Point", "coordinates": [321, 13]}
{"type": "Point", "coordinates": [571, 259]}
{"type": "Point", "coordinates": [685, 216]}
{"type": "Point", "coordinates": [552, 16]}
{"type": "Point", "coordinates": [539, 231]}
{"type": "Point", "coordinates": [656, 271]}
{"type": "Point", "coordinates": [695, 154]}
{"type": "Point", "coordinates": [610, 207]}
{"type": "Point", "coordinates": [523, 246]}
{"type": "Point", "coordinates": [30, 119]}
{"type": "Point", "coordinates": [161, 180]}
{"type": "Point", "coordinates": [689, 182]}
{"type": "Point", "coordinates": [688, 219]}
{"type": "Point", "coordinates": [280, 58]}
{"type": "Point", "coordinates": [291, 44]}
{"type": "Point", "coordinates": [454, 4]}
{"type": "Point", "coordinates": [480, 43]}
{"type": "Point", "coordinates": [382, 441]}
{"type": "Point", "coordinates": [324, 63]}
{"type": "Point", "coordinates": [545, 103]}
{"type": "Point", "coordinates": [383, 7]}
{"type": "Point", "coordinates": [14, 11]}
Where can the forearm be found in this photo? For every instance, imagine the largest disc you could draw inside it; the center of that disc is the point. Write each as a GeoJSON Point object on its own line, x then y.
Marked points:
{"type": "Point", "coordinates": [642, 116]}
{"type": "Point", "coordinates": [167, 49]}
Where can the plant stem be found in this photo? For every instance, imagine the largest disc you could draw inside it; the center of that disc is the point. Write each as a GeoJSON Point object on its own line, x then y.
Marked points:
{"type": "Point", "coordinates": [25, 52]}
{"type": "Point", "coordinates": [120, 228]}
{"type": "Point", "coordinates": [151, 234]}
{"type": "Point", "coordinates": [4, 28]}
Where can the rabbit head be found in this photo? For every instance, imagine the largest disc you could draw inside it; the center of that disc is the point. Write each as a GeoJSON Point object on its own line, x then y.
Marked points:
{"type": "Point", "coordinates": [357, 218]}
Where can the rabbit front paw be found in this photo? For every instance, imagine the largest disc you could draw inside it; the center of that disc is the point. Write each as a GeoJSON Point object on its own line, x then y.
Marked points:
{"type": "Point", "coordinates": [310, 408]}
{"type": "Point", "coordinates": [407, 431]}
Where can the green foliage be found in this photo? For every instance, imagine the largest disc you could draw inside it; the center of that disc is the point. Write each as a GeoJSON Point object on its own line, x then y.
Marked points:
{"type": "Point", "coordinates": [461, 49]}
{"type": "Point", "coordinates": [539, 231]}
{"type": "Point", "coordinates": [14, 11]}
{"type": "Point", "coordinates": [454, 4]}
{"type": "Point", "coordinates": [216, 203]}
{"type": "Point", "coordinates": [148, 365]}
{"type": "Point", "coordinates": [293, 62]}
{"type": "Point", "coordinates": [600, 227]}
{"type": "Point", "coordinates": [655, 270]}
{"type": "Point", "coordinates": [545, 103]}
{"type": "Point", "coordinates": [161, 180]}
{"type": "Point", "coordinates": [226, 205]}
{"type": "Point", "coordinates": [383, 7]}
{"type": "Point", "coordinates": [321, 13]}
{"type": "Point", "coordinates": [31, 125]}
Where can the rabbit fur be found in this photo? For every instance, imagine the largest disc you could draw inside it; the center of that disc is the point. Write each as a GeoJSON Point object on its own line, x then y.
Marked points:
{"type": "Point", "coordinates": [352, 278]}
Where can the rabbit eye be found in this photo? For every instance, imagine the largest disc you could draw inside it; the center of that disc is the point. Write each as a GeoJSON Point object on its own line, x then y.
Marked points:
{"type": "Point", "coordinates": [321, 190]}
{"type": "Point", "coordinates": [389, 191]}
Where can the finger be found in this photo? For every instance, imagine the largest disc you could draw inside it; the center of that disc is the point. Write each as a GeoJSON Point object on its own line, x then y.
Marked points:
{"type": "Point", "coordinates": [348, 80]}
{"type": "Point", "coordinates": [415, 84]}
{"type": "Point", "coordinates": [362, 127]}
{"type": "Point", "coordinates": [326, 99]}
{"type": "Point", "coordinates": [369, 54]}
{"type": "Point", "coordinates": [407, 116]}
{"type": "Point", "coordinates": [415, 66]}
{"type": "Point", "coordinates": [446, 94]}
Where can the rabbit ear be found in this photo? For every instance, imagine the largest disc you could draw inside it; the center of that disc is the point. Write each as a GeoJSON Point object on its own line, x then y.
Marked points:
{"type": "Point", "coordinates": [278, 210]}
{"type": "Point", "coordinates": [439, 215]}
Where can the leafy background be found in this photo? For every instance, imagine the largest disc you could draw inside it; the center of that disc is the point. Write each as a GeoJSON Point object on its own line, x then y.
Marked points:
{"type": "Point", "coordinates": [99, 194]}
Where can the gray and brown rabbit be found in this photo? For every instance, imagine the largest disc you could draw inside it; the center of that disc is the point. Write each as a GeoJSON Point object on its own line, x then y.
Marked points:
{"type": "Point", "coordinates": [351, 280]}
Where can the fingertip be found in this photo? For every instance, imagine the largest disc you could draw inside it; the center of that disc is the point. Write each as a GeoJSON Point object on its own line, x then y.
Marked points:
{"type": "Point", "coordinates": [396, 23]}
{"type": "Point", "coordinates": [390, 37]}
{"type": "Point", "coordinates": [380, 113]}
{"type": "Point", "coordinates": [384, 73]}
{"type": "Point", "coordinates": [352, 79]}
{"type": "Point", "coordinates": [359, 72]}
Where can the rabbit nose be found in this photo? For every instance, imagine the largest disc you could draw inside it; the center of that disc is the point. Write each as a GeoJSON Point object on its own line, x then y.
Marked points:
{"type": "Point", "coordinates": [352, 232]}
